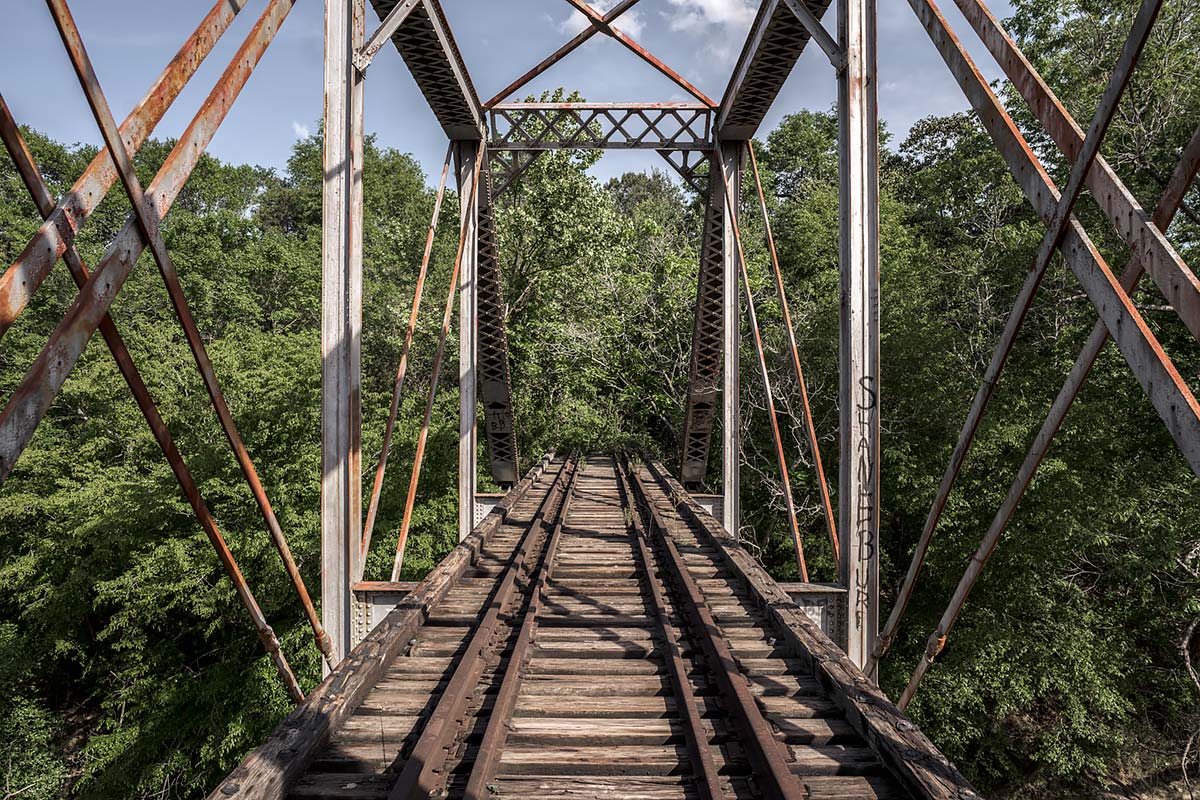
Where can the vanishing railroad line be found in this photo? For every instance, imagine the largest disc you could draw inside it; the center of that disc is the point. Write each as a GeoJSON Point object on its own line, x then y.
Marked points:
{"type": "Point", "coordinates": [600, 643]}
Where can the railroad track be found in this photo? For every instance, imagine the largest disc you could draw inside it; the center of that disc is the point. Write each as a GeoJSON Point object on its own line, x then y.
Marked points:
{"type": "Point", "coordinates": [602, 643]}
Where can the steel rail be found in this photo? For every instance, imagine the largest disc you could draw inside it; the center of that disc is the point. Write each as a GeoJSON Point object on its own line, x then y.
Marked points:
{"type": "Point", "coordinates": [148, 223]}
{"type": "Point", "coordinates": [41, 383]}
{"type": "Point", "coordinates": [595, 18]}
{"type": "Point", "coordinates": [703, 765]}
{"type": "Point", "coordinates": [32, 177]}
{"type": "Point", "coordinates": [386, 447]}
{"type": "Point", "coordinates": [562, 52]}
{"type": "Point", "coordinates": [797, 543]}
{"type": "Point", "coordinates": [809, 424]}
{"type": "Point", "coordinates": [767, 755]}
{"type": "Point", "coordinates": [495, 734]}
{"type": "Point", "coordinates": [1133, 224]}
{"type": "Point", "coordinates": [59, 229]}
{"type": "Point", "coordinates": [429, 754]}
{"type": "Point", "coordinates": [419, 457]}
{"type": "Point", "coordinates": [1118, 81]}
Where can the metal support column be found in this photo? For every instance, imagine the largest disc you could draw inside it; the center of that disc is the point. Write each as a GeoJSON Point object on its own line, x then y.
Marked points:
{"type": "Point", "coordinates": [341, 321]}
{"type": "Point", "coordinates": [465, 153]}
{"type": "Point", "coordinates": [731, 449]}
{"type": "Point", "coordinates": [858, 496]}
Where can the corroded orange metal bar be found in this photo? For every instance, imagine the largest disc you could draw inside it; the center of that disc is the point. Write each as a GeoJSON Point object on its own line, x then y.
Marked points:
{"type": "Point", "coordinates": [1130, 53]}
{"type": "Point", "coordinates": [58, 232]}
{"type": "Point", "coordinates": [419, 458]}
{"type": "Point", "coordinates": [41, 383]}
{"type": "Point", "coordinates": [386, 448]}
{"type": "Point", "coordinates": [809, 425]}
{"type": "Point", "coordinates": [598, 20]}
{"type": "Point", "coordinates": [148, 223]}
{"type": "Point", "coordinates": [562, 52]}
{"type": "Point", "coordinates": [766, 378]}
{"type": "Point", "coordinates": [32, 177]}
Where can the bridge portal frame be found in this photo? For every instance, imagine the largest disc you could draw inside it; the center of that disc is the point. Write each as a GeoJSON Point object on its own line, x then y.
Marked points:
{"type": "Point", "coordinates": [510, 137]}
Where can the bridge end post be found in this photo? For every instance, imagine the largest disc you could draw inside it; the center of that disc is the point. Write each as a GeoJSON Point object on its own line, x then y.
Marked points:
{"type": "Point", "coordinates": [858, 495]}
{"type": "Point", "coordinates": [341, 322]}
{"type": "Point", "coordinates": [465, 154]}
{"type": "Point", "coordinates": [731, 422]}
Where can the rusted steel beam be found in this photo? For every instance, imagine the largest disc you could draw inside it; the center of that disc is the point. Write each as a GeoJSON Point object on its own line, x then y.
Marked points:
{"type": "Point", "coordinates": [386, 447]}
{"type": "Point", "coordinates": [487, 759]}
{"type": "Point", "coordinates": [780, 455]}
{"type": "Point", "coordinates": [423, 438]}
{"type": "Point", "coordinates": [859, 397]}
{"type": "Point", "coordinates": [1168, 206]}
{"type": "Point", "coordinates": [32, 178]}
{"type": "Point", "coordinates": [774, 45]}
{"type": "Point", "coordinates": [418, 778]}
{"type": "Point", "coordinates": [395, 18]}
{"type": "Point", "coordinates": [1132, 222]}
{"type": "Point", "coordinates": [148, 223]}
{"type": "Point", "coordinates": [688, 166]}
{"type": "Point", "coordinates": [427, 46]}
{"type": "Point", "coordinates": [1142, 351]}
{"type": "Point", "coordinates": [58, 232]}
{"type": "Point", "coordinates": [809, 425]}
{"type": "Point", "coordinates": [1024, 302]}
{"type": "Point", "coordinates": [45, 377]}
{"type": "Point", "coordinates": [558, 55]}
{"type": "Point", "coordinates": [505, 166]}
{"type": "Point", "coordinates": [555, 126]}
{"type": "Point", "coordinates": [597, 19]}
{"type": "Point", "coordinates": [1143, 23]}
{"type": "Point", "coordinates": [833, 51]}
{"type": "Point", "coordinates": [341, 319]}
{"type": "Point", "coordinates": [765, 753]}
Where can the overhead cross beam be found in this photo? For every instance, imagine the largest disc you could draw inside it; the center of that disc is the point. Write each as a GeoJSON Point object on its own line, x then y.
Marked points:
{"type": "Point", "coordinates": [609, 126]}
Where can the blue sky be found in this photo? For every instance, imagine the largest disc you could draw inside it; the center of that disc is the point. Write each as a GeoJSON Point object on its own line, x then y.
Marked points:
{"type": "Point", "coordinates": [130, 41]}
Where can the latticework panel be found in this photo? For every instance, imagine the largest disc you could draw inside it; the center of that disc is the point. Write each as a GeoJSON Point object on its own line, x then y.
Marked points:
{"type": "Point", "coordinates": [551, 126]}
{"type": "Point", "coordinates": [780, 39]}
{"type": "Point", "coordinates": [495, 383]}
{"type": "Point", "coordinates": [704, 376]}
{"type": "Point", "coordinates": [428, 48]}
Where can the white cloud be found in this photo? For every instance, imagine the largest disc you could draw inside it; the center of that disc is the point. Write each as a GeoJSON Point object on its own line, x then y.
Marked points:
{"type": "Point", "coordinates": [631, 22]}
{"type": "Point", "coordinates": [694, 14]}
{"type": "Point", "coordinates": [300, 130]}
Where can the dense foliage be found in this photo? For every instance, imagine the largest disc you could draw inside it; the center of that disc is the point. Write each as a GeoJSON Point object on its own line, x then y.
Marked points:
{"type": "Point", "coordinates": [131, 671]}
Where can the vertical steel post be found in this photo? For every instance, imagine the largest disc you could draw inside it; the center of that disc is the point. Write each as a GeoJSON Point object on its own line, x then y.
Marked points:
{"type": "Point", "coordinates": [465, 153]}
{"type": "Point", "coordinates": [858, 496]}
{"type": "Point", "coordinates": [341, 320]}
{"type": "Point", "coordinates": [731, 425]}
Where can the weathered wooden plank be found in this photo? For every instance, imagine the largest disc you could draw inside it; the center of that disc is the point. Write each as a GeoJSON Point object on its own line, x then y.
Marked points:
{"type": "Point", "coordinates": [897, 742]}
{"type": "Point", "coordinates": [272, 769]}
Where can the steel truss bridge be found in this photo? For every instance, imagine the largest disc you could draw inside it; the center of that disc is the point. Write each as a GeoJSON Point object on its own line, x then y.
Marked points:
{"type": "Point", "coordinates": [599, 632]}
